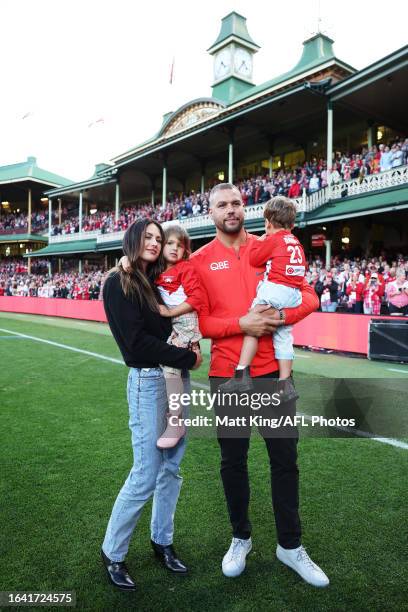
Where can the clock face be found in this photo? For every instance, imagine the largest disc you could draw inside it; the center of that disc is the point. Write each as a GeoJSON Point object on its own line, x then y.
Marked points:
{"type": "Point", "coordinates": [222, 64]}
{"type": "Point", "coordinates": [243, 62]}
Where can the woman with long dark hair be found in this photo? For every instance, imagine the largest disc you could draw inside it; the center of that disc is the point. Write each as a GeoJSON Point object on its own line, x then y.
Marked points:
{"type": "Point", "coordinates": [132, 307]}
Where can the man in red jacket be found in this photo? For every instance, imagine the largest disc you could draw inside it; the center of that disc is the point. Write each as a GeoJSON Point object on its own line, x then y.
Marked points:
{"type": "Point", "coordinates": [229, 285]}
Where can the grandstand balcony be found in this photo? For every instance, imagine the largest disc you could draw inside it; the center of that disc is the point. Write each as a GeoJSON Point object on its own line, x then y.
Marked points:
{"type": "Point", "coordinates": [394, 182]}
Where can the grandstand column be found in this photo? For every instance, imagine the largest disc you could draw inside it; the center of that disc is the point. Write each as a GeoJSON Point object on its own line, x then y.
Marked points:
{"type": "Point", "coordinates": [80, 265]}
{"type": "Point", "coordinates": [164, 188]}
{"type": "Point", "coordinates": [329, 157]}
{"type": "Point", "coordinates": [29, 211]}
{"type": "Point", "coordinates": [117, 198]}
{"type": "Point", "coordinates": [231, 157]}
{"type": "Point", "coordinates": [49, 217]}
{"type": "Point", "coordinates": [328, 253]}
{"type": "Point", "coordinates": [80, 212]}
{"type": "Point", "coordinates": [59, 265]}
{"type": "Point", "coordinates": [270, 165]}
{"type": "Point", "coordinates": [59, 211]}
{"type": "Point", "coordinates": [370, 134]}
{"type": "Point", "coordinates": [203, 167]}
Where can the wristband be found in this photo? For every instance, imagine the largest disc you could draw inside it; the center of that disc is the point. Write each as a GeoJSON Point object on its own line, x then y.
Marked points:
{"type": "Point", "coordinates": [281, 314]}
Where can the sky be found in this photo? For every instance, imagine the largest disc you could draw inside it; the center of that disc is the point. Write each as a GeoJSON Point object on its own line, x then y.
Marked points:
{"type": "Point", "coordinates": [83, 81]}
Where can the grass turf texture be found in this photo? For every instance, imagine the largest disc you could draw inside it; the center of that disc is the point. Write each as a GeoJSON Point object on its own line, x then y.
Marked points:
{"type": "Point", "coordinates": [66, 451]}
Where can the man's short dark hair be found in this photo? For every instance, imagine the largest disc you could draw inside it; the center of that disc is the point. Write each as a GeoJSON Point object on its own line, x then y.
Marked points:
{"type": "Point", "coordinates": [220, 187]}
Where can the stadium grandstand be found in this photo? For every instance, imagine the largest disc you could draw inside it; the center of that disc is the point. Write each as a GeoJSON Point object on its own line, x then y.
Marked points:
{"type": "Point", "coordinates": [332, 138]}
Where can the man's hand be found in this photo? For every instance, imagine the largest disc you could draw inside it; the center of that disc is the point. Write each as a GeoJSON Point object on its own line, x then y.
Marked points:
{"type": "Point", "coordinates": [262, 320]}
{"type": "Point", "coordinates": [164, 311]}
{"type": "Point", "coordinates": [199, 358]}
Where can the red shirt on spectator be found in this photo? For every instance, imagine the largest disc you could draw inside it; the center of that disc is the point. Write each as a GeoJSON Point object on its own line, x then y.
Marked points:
{"type": "Point", "coordinates": [294, 190]}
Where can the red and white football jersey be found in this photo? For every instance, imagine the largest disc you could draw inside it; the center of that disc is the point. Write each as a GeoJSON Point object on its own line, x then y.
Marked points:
{"type": "Point", "coordinates": [283, 256]}
{"type": "Point", "coordinates": [179, 284]}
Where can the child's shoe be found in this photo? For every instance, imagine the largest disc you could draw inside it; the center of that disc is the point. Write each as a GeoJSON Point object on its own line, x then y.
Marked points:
{"type": "Point", "coordinates": [287, 391]}
{"type": "Point", "coordinates": [240, 383]}
{"type": "Point", "coordinates": [171, 436]}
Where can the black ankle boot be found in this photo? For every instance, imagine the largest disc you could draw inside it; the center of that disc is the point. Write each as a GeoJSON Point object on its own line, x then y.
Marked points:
{"type": "Point", "coordinates": [167, 556]}
{"type": "Point", "coordinates": [240, 383]}
{"type": "Point", "coordinates": [118, 574]}
{"type": "Point", "coordinates": [287, 391]}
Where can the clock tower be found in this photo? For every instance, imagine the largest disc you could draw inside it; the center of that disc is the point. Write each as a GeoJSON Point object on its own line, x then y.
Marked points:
{"type": "Point", "coordinates": [233, 53]}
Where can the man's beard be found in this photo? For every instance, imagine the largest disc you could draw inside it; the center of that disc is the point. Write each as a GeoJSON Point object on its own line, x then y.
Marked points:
{"type": "Point", "coordinates": [230, 230]}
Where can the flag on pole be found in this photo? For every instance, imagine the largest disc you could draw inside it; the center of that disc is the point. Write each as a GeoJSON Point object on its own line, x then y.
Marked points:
{"type": "Point", "coordinates": [172, 72]}
{"type": "Point", "coordinates": [97, 122]}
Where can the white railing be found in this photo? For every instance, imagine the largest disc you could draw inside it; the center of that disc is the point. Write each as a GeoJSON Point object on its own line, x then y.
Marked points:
{"type": "Point", "coordinates": [110, 237]}
{"type": "Point", "coordinates": [73, 237]}
{"type": "Point", "coordinates": [373, 182]}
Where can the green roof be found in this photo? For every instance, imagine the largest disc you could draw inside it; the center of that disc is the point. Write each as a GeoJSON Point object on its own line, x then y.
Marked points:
{"type": "Point", "coordinates": [368, 203]}
{"type": "Point", "coordinates": [316, 51]}
{"type": "Point", "coordinates": [65, 248]}
{"type": "Point", "coordinates": [28, 170]}
{"type": "Point", "coordinates": [22, 238]}
{"type": "Point", "coordinates": [233, 25]}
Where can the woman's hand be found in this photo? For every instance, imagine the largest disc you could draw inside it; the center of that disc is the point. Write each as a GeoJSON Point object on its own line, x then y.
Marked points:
{"type": "Point", "coordinates": [199, 361]}
{"type": "Point", "coordinates": [124, 262]}
{"type": "Point", "coordinates": [164, 311]}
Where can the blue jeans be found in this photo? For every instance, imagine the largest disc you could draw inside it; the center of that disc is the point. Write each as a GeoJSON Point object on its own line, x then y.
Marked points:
{"type": "Point", "coordinates": [154, 472]}
{"type": "Point", "coordinates": [279, 296]}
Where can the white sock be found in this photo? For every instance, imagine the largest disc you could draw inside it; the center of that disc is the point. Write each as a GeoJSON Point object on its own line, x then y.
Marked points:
{"type": "Point", "coordinates": [240, 367]}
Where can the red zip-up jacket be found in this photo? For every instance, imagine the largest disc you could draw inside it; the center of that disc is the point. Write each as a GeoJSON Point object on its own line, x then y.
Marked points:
{"type": "Point", "coordinates": [228, 286]}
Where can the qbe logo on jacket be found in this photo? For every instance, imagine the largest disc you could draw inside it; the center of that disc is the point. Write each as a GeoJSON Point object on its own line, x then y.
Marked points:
{"type": "Point", "coordinates": [219, 265]}
{"type": "Point", "coordinates": [295, 270]}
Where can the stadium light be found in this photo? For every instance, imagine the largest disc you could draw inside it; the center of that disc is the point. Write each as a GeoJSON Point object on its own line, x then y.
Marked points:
{"type": "Point", "coordinates": [5, 203]}
{"type": "Point", "coordinates": [44, 200]}
{"type": "Point", "coordinates": [379, 135]}
{"type": "Point", "coordinates": [221, 176]}
{"type": "Point", "coordinates": [93, 211]}
{"type": "Point", "coordinates": [345, 240]}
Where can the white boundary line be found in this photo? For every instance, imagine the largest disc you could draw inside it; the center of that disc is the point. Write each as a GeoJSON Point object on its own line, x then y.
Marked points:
{"type": "Point", "coordinates": [64, 346]}
{"type": "Point", "coordinates": [396, 370]}
{"type": "Point", "coordinates": [363, 434]}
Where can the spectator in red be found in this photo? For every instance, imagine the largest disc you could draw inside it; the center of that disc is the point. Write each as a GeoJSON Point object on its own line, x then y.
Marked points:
{"type": "Point", "coordinates": [355, 291]}
{"type": "Point", "coordinates": [294, 190]}
{"type": "Point", "coordinates": [372, 296]}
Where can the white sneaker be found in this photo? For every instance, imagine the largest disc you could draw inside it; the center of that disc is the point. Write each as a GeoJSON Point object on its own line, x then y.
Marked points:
{"type": "Point", "coordinates": [299, 560]}
{"type": "Point", "coordinates": [233, 563]}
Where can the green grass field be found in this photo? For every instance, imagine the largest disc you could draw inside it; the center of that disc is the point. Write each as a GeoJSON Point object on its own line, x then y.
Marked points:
{"type": "Point", "coordinates": [66, 451]}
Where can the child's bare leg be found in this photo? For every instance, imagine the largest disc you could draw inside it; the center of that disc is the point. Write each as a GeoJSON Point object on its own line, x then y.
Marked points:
{"type": "Point", "coordinates": [285, 368]}
{"type": "Point", "coordinates": [248, 351]}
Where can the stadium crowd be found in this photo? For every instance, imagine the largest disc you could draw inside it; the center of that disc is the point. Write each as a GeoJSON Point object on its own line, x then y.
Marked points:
{"type": "Point", "coordinates": [377, 285]}
{"type": "Point", "coordinates": [311, 176]}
